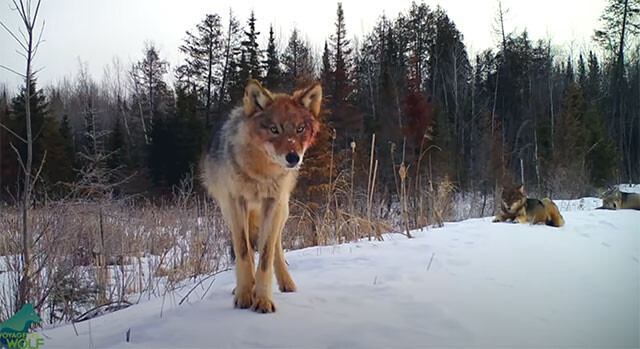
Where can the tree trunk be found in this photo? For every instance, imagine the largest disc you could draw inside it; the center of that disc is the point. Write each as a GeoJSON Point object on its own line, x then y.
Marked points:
{"type": "Point", "coordinates": [25, 282]}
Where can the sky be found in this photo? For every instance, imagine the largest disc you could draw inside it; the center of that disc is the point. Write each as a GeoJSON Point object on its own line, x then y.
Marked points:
{"type": "Point", "coordinates": [96, 31]}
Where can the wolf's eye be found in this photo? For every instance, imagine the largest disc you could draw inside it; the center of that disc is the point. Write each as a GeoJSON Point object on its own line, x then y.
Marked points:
{"type": "Point", "coordinates": [273, 129]}
{"type": "Point", "coordinates": [300, 129]}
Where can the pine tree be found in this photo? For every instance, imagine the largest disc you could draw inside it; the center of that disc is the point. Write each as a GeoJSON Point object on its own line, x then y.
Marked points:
{"type": "Point", "coordinates": [231, 88]}
{"type": "Point", "coordinates": [66, 132]}
{"type": "Point", "coordinates": [57, 164]}
{"type": "Point", "coordinates": [177, 142]}
{"type": "Point", "coordinates": [116, 147]}
{"type": "Point", "coordinates": [153, 93]}
{"type": "Point", "coordinates": [298, 62]}
{"type": "Point", "coordinates": [343, 115]}
{"type": "Point", "coordinates": [620, 24]}
{"type": "Point", "coordinates": [273, 75]}
{"type": "Point", "coordinates": [251, 51]}
{"type": "Point", "coordinates": [341, 52]}
{"type": "Point", "coordinates": [204, 57]}
{"type": "Point", "coordinates": [326, 71]}
{"type": "Point", "coordinates": [570, 140]}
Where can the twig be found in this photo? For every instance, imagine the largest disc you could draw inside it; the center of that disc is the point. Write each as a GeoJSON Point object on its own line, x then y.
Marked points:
{"type": "Point", "coordinates": [207, 290]}
{"type": "Point", "coordinates": [198, 284]}
{"type": "Point", "coordinates": [431, 260]}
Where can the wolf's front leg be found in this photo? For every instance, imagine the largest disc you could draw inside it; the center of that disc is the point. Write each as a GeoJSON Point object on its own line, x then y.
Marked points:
{"type": "Point", "coordinates": [236, 215]}
{"type": "Point", "coordinates": [262, 296]}
{"type": "Point", "coordinates": [499, 218]}
{"type": "Point", "coordinates": [282, 272]}
{"type": "Point", "coordinates": [521, 219]}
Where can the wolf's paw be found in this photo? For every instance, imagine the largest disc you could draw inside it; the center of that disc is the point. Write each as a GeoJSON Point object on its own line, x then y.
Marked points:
{"type": "Point", "coordinates": [288, 286]}
{"type": "Point", "coordinates": [242, 300]}
{"type": "Point", "coordinates": [495, 220]}
{"type": "Point", "coordinates": [263, 305]}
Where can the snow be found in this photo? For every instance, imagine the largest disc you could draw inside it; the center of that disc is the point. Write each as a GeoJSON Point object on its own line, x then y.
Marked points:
{"type": "Point", "coordinates": [630, 188]}
{"type": "Point", "coordinates": [470, 283]}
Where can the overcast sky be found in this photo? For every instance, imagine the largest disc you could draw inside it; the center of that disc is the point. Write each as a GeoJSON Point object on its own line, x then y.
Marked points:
{"type": "Point", "coordinates": [96, 31]}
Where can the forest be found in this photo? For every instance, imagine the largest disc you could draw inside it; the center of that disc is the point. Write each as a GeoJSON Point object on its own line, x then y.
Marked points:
{"type": "Point", "coordinates": [107, 171]}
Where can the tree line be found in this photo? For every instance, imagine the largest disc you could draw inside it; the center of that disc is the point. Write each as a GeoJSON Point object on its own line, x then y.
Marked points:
{"type": "Point", "coordinates": [515, 112]}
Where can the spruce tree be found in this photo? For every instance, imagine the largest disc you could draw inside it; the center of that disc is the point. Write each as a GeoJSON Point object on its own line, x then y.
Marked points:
{"type": "Point", "coordinates": [298, 63]}
{"type": "Point", "coordinates": [273, 75]}
{"type": "Point", "coordinates": [204, 51]}
{"type": "Point", "coordinates": [251, 51]}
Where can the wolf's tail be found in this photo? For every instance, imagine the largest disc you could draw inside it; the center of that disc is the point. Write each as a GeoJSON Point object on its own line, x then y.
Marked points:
{"type": "Point", "coordinates": [554, 217]}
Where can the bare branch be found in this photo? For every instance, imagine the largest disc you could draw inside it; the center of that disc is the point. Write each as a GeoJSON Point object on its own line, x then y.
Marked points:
{"type": "Point", "coordinates": [13, 35]}
{"type": "Point", "coordinates": [13, 133]}
{"type": "Point", "coordinates": [35, 15]}
{"type": "Point", "coordinates": [13, 71]}
{"type": "Point", "coordinates": [35, 72]}
{"type": "Point", "coordinates": [35, 178]}
{"type": "Point", "coordinates": [18, 156]}
{"type": "Point", "coordinates": [39, 41]}
{"type": "Point", "coordinates": [24, 37]}
{"type": "Point", "coordinates": [21, 54]}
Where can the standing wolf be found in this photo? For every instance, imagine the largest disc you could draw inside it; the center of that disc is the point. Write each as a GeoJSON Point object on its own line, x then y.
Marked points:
{"type": "Point", "coordinates": [518, 208]}
{"type": "Point", "coordinates": [250, 169]}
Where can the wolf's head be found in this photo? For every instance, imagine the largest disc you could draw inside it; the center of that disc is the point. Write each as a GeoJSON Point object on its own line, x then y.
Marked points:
{"type": "Point", "coordinates": [513, 198]}
{"type": "Point", "coordinates": [611, 199]}
{"type": "Point", "coordinates": [283, 125]}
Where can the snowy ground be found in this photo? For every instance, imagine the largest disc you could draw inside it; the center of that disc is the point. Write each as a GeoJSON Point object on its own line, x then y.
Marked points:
{"type": "Point", "coordinates": [472, 283]}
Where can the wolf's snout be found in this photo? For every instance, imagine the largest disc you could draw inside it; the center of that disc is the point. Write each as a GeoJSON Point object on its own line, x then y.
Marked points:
{"type": "Point", "coordinates": [292, 159]}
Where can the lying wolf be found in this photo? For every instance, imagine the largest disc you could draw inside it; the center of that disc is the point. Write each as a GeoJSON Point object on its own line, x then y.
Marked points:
{"type": "Point", "coordinates": [614, 199]}
{"type": "Point", "coordinates": [517, 207]}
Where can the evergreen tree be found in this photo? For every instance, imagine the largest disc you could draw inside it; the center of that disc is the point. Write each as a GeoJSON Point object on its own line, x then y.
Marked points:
{"type": "Point", "coordinates": [251, 51]}
{"type": "Point", "coordinates": [620, 24]}
{"type": "Point", "coordinates": [177, 142]}
{"type": "Point", "coordinates": [569, 144]}
{"type": "Point", "coordinates": [152, 94]}
{"type": "Point", "coordinates": [326, 71]}
{"type": "Point", "coordinates": [57, 164]}
{"type": "Point", "coordinates": [116, 147]}
{"type": "Point", "coordinates": [273, 75]}
{"type": "Point", "coordinates": [343, 115]}
{"type": "Point", "coordinates": [232, 87]}
{"type": "Point", "coordinates": [297, 61]}
{"type": "Point", "coordinates": [66, 132]}
{"type": "Point", "coordinates": [341, 52]}
{"type": "Point", "coordinates": [204, 57]}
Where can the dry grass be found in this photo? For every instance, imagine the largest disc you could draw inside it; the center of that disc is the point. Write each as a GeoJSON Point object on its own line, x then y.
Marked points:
{"type": "Point", "coordinates": [121, 248]}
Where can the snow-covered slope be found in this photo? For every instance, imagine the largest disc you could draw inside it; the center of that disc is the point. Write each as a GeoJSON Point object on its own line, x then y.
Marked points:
{"type": "Point", "coordinates": [473, 283]}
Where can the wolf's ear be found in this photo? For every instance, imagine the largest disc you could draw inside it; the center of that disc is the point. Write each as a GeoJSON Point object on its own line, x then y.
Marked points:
{"type": "Point", "coordinates": [521, 188]}
{"type": "Point", "coordinates": [310, 98]}
{"type": "Point", "coordinates": [256, 98]}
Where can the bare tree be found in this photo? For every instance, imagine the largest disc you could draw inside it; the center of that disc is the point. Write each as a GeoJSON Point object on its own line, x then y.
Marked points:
{"type": "Point", "coordinates": [29, 43]}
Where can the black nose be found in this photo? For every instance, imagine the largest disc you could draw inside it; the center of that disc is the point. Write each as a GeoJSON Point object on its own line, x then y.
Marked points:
{"type": "Point", "coordinates": [292, 159]}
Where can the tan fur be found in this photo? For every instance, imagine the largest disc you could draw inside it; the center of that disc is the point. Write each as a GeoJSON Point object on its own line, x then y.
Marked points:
{"type": "Point", "coordinates": [252, 190]}
{"type": "Point", "coordinates": [518, 208]}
